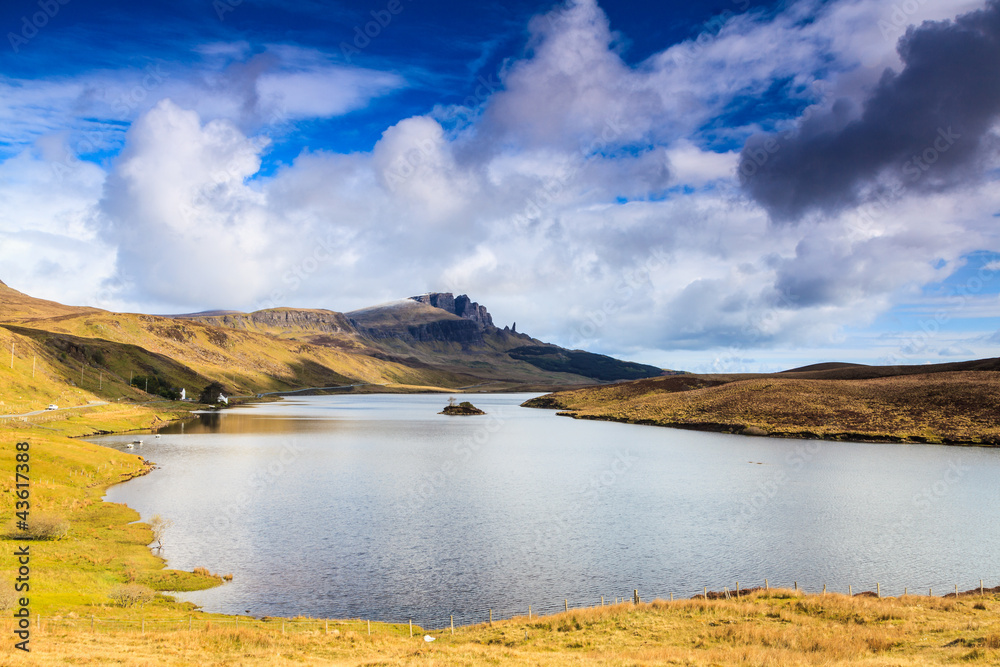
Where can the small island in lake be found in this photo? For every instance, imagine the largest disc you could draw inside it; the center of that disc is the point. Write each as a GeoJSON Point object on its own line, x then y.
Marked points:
{"type": "Point", "coordinates": [463, 408]}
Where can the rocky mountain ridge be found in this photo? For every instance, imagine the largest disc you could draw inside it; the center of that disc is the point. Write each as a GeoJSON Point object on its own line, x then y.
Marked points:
{"type": "Point", "coordinates": [462, 306]}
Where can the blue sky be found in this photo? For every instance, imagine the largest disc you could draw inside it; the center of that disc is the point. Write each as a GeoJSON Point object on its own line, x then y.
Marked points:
{"type": "Point", "coordinates": [712, 186]}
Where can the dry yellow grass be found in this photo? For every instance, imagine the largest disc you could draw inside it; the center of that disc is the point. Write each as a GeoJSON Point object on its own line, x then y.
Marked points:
{"type": "Point", "coordinates": [779, 627]}
{"type": "Point", "coordinates": [958, 407]}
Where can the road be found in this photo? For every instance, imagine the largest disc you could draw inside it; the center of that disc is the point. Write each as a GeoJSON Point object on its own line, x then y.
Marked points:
{"type": "Point", "coordinates": [92, 404]}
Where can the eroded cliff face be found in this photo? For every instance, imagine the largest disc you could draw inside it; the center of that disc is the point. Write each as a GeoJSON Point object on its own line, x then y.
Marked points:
{"type": "Point", "coordinates": [282, 318]}
{"type": "Point", "coordinates": [461, 305]}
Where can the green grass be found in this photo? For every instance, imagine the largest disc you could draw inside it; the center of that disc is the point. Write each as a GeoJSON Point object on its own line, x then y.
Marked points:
{"type": "Point", "coordinates": [105, 545]}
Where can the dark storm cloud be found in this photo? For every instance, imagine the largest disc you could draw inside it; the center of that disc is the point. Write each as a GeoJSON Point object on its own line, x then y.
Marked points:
{"type": "Point", "coordinates": [927, 123]}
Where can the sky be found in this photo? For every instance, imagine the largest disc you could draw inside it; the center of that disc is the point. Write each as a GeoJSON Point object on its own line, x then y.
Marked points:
{"type": "Point", "coordinates": [716, 186]}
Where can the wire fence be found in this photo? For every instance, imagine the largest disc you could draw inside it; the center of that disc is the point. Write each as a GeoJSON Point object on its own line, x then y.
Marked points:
{"type": "Point", "coordinates": [143, 625]}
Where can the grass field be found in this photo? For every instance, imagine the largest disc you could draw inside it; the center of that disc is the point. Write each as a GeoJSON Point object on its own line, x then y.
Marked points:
{"type": "Point", "coordinates": [779, 627]}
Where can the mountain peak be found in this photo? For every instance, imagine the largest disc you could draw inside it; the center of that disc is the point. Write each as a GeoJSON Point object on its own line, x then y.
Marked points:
{"type": "Point", "coordinates": [460, 305]}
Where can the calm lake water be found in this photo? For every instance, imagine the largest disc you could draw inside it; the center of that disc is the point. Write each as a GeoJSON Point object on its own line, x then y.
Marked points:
{"type": "Point", "coordinates": [374, 506]}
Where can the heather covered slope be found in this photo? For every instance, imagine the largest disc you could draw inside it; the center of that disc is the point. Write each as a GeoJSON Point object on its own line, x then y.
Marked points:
{"type": "Point", "coordinates": [948, 406]}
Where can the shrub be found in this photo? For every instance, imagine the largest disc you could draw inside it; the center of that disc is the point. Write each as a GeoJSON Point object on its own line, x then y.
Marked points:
{"type": "Point", "coordinates": [130, 595]}
{"type": "Point", "coordinates": [41, 527]}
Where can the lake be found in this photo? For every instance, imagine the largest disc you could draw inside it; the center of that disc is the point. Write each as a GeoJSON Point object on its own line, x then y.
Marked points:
{"type": "Point", "coordinates": [375, 506]}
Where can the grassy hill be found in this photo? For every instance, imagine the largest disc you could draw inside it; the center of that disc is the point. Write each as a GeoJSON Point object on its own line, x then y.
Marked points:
{"type": "Point", "coordinates": [896, 404]}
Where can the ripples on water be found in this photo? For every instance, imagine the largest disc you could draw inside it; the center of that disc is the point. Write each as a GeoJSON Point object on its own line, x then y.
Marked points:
{"type": "Point", "coordinates": [375, 506]}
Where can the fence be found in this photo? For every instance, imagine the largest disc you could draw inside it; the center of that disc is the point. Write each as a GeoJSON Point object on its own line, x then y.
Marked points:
{"type": "Point", "coordinates": [145, 625]}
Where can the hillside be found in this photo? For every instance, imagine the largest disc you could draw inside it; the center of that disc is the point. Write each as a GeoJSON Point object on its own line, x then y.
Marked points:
{"type": "Point", "coordinates": [72, 354]}
{"type": "Point", "coordinates": [438, 332]}
{"type": "Point", "coordinates": [892, 404]}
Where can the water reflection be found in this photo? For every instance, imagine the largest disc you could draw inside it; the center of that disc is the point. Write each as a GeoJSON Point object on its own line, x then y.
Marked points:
{"type": "Point", "coordinates": [234, 423]}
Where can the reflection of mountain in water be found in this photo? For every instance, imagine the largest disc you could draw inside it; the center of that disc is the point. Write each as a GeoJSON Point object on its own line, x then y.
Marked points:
{"type": "Point", "coordinates": [234, 422]}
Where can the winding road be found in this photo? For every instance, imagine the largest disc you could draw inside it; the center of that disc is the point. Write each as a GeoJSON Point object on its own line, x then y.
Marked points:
{"type": "Point", "coordinates": [92, 404]}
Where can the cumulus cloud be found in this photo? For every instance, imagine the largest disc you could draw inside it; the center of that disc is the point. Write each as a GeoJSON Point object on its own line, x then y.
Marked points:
{"type": "Point", "coordinates": [930, 122]}
{"type": "Point", "coordinates": [177, 198]}
{"type": "Point", "coordinates": [48, 245]}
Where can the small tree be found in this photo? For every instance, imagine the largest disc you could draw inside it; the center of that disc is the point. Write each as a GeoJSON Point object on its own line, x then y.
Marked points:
{"type": "Point", "coordinates": [451, 401]}
{"type": "Point", "coordinates": [159, 526]}
{"type": "Point", "coordinates": [210, 395]}
{"type": "Point", "coordinates": [130, 595]}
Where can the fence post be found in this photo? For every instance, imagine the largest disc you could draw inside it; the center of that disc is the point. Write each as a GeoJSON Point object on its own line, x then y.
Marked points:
{"type": "Point", "coordinates": [850, 591]}
{"type": "Point", "coordinates": [411, 627]}
{"type": "Point", "coordinates": [824, 589]}
{"type": "Point", "coordinates": [980, 586]}
{"type": "Point", "coordinates": [737, 590]}
{"type": "Point", "coordinates": [766, 587]}
{"type": "Point", "coordinates": [491, 617]}
{"type": "Point", "coordinates": [602, 597]}
{"type": "Point", "coordinates": [635, 595]}
{"type": "Point", "coordinates": [878, 590]}
{"type": "Point", "coordinates": [326, 628]}
{"type": "Point", "coordinates": [706, 592]}
{"type": "Point", "coordinates": [369, 627]}
{"type": "Point", "coordinates": [796, 585]}
{"type": "Point", "coordinates": [565, 604]}
{"type": "Point", "coordinates": [956, 591]}
{"type": "Point", "coordinates": [453, 623]}
{"type": "Point", "coordinates": [671, 597]}
{"type": "Point", "coordinates": [282, 626]}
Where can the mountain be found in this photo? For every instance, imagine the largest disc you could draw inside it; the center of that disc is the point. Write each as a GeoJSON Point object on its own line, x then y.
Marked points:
{"type": "Point", "coordinates": [440, 332]}
{"type": "Point", "coordinates": [434, 341]}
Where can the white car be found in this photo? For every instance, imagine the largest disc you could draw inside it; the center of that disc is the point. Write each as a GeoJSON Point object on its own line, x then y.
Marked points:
{"type": "Point", "coordinates": [52, 407]}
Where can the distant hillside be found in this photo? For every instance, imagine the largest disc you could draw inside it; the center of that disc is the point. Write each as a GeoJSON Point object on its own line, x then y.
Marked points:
{"type": "Point", "coordinates": [597, 366]}
{"type": "Point", "coordinates": [825, 366]}
{"type": "Point", "coordinates": [893, 404]}
{"type": "Point", "coordinates": [844, 371]}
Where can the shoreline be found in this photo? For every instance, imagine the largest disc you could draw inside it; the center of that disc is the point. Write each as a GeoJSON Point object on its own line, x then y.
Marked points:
{"type": "Point", "coordinates": [759, 432]}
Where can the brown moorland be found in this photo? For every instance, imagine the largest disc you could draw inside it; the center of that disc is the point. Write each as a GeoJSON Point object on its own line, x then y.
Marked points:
{"type": "Point", "coordinates": [890, 404]}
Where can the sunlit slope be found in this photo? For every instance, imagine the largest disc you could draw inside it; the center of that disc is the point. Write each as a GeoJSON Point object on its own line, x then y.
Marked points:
{"type": "Point", "coordinates": [100, 351]}
{"type": "Point", "coordinates": [36, 378]}
{"type": "Point", "coordinates": [193, 353]}
{"type": "Point", "coordinates": [18, 307]}
{"type": "Point", "coordinates": [956, 406]}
